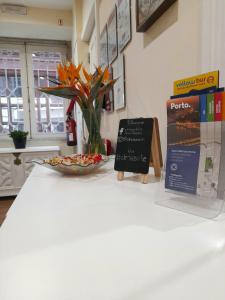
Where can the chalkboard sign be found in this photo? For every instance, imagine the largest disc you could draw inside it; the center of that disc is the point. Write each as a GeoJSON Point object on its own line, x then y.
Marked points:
{"type": "Point", "coordinates": [133, 149]}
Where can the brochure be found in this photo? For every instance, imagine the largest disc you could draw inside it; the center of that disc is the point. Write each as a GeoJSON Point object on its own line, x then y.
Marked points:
{"type": "Point", "coordinates": [183, 139]}
{"type": "Point", "coordinates": [195, 134]}
{"type": "Point", "coordinates": [195, 83]}
{"type": "Point", "coordinates": [196, 137]}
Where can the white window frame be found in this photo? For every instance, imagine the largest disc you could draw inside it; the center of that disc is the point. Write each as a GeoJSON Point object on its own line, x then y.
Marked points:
{"type": "Point", "coordinates": [27, 81]}
{"type": "Point", "coordinates": [24, 87]}
{"type": "Point", "coordinates": [29, 50]}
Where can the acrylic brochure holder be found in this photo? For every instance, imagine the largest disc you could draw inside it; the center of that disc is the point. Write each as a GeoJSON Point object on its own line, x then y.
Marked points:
{"type": "Point", "coordinates": [193, 204]}
{"type": "Point", "coordinates": [208, 202]}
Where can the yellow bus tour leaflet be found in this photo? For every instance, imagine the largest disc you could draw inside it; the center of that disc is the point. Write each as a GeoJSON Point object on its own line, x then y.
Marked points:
{"type": "Point", "coordinates": [199, 82]}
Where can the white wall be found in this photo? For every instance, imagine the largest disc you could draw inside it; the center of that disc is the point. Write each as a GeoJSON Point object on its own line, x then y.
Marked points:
{"type": "Point", "coordinates": [86, 9]}
{"type": "Point", "coordinates": [38, 23]}
{"type": "Point", "coordinates": [169, 50]}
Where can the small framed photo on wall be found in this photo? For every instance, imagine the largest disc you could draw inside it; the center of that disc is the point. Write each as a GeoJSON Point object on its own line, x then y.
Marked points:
{"type": "Point", "coordinates": [108, 102]}
{"type": "Point", "coordinates": [104, 61]}
{"type": "Point", "coordinates": [148, 11]}
{"type": "Point", "coordinates": [123, 23]}
{"type": "Point", "coordinates": [119, 86]}
{"type": "Point", "coordinates": [112, 36]}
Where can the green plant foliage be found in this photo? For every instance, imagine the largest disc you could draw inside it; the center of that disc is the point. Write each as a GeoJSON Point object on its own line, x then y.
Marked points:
{"type": "Point", "coordinates": [18, 134]}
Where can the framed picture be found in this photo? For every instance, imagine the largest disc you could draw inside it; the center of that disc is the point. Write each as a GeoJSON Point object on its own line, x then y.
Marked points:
{"type": "Point", "coordinates": [148, 11]}
{"type": "Point", "coordinates": [108, 102]}
{"type": "Point", "coordinates": [112, 36]}
{"type": "Point", "coordinates": [123, 23]}
{"type": "Point", "coordinates": [119, 86]}
{"type": "Point", "coordinates": [104, 61]}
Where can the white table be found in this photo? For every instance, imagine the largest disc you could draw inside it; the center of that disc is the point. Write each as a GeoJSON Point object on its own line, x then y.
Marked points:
{"type": "Point", "coordinates": [94, 238]}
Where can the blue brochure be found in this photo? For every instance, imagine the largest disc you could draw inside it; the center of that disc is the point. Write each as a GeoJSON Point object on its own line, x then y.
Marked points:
{"type": "Point", "coordinates": [182, 168]}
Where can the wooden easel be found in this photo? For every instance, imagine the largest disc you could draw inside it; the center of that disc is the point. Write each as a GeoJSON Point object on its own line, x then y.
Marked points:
{"type": "Point", "coordinates": [156, 161]}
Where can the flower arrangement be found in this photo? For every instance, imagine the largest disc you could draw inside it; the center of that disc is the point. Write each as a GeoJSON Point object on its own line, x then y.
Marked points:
{"type": "Point", "coordinates": [88, 91]}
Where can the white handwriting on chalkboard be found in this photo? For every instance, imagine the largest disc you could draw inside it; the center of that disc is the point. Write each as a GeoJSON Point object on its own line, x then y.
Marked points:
{"type": "Point", "coordinates": [133, 158]}
{"type": "Point", "coordinates": [135, 131]}
{"type": "Point", "coordinates": [121, 130]}
{"type": "Point", "coordinates": [130, 151]}
{"type": "Point", "coordinates": [128, 139]}
{"type": "Point", "coordinates": [131, 131]}
{"type": "Point", "coordinates": [135, 122]}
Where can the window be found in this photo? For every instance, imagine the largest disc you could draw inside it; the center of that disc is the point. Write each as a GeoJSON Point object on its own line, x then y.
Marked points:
{"type": "Point", "coordinates": [11, 101]}
{"type": "Point", "coordinates": [24, 68]}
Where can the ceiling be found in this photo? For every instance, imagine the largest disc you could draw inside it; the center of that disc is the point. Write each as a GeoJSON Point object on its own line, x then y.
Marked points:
{"type": "Point", "coordinates": [53, 4]}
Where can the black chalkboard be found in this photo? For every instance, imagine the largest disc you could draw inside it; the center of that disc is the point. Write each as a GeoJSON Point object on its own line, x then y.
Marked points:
{"type": "Point", "coordinates": [133, 149]}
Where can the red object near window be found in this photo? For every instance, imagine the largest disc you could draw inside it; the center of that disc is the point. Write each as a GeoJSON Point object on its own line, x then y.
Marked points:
{"type": "Point", "coordinates": [71, 132]}
{"type": "Point", "coordinates": [108, 147]}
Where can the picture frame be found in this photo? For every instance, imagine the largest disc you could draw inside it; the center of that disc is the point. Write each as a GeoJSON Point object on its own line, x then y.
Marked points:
{"type": "Point", "coordinates": [112, 36]}
{"type": "Point", "coordinates": [124, 23]}
{"type": "Point", "coordinates": [108, 102]}
{"type": "Point", "coordinates": [119, 86]}
{"type": "Point", "coordinates": [104, 60]}
{"type": "Point", "coordinates": [110, 107]}
{"type": "Point", "coordinates": [148, 11]}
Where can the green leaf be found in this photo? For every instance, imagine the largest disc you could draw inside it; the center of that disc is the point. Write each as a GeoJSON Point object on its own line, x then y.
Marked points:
{"type": "Point", "coordinates": [55, 81]}
{"type": "Point", "coordinates": [106, 88]}
{"type": "Point", "coordinates": [18, 134]}
{"type": "Point", "coordinates": [96, 87]}
{"type": "Point", "coordinates": [64, 92]}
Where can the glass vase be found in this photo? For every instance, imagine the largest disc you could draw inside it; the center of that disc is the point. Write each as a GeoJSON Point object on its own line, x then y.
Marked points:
{"type": "Point", "coordinates": [92, 118]}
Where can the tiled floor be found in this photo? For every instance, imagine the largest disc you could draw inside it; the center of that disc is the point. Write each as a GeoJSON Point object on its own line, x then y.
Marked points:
{"type": "Point", "coordinates": [5, 204]}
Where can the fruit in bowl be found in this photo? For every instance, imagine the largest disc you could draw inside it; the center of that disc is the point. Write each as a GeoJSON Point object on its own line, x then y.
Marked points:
{"type": "Point", "coordinates": [75, 164]}
{"type": "Point", "coordinates": [82, 160]}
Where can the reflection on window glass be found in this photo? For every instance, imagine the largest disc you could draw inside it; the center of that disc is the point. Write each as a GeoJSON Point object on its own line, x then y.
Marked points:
{"type": "Point", "coordinates": [49, 110]}
{"type": "Point", "coordinates": [11, 101]}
